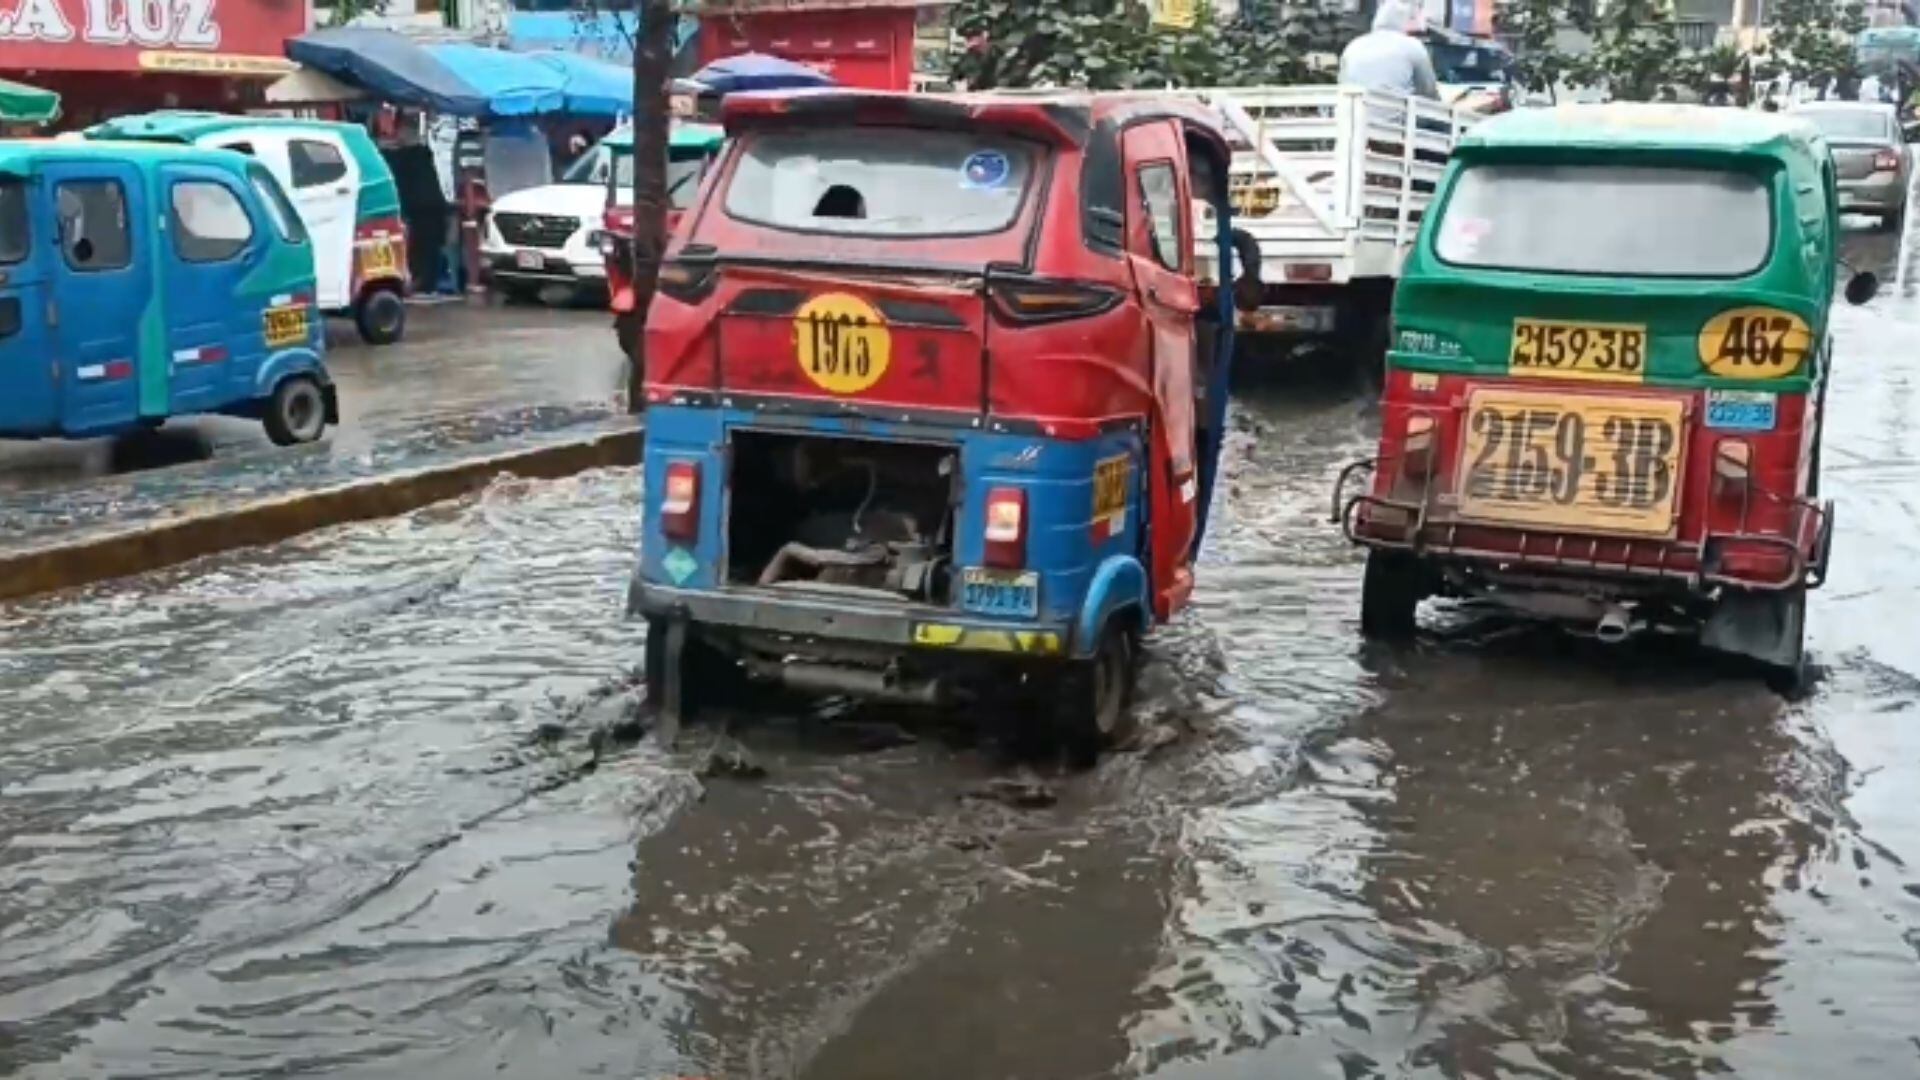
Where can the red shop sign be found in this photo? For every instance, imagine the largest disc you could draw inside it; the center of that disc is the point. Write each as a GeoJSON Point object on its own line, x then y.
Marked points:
{"type": "Point", "coordinates": [200, 36]}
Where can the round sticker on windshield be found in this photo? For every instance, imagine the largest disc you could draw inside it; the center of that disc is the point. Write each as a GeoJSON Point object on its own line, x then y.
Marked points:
{"type": "Point", "coordinates": [986, 169]}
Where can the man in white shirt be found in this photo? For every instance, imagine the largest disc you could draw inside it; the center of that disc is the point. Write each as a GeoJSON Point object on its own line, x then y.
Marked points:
{"type": "Point", "coordinates": [1388, 58]}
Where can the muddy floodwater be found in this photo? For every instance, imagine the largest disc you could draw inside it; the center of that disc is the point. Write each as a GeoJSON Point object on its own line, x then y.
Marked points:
{"type": "Point", "coordinates": [364, 804]}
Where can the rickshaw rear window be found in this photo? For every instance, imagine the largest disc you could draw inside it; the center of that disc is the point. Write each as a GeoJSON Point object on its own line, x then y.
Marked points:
{"type": "Point", "coordinates": [1842, 123]}
{"type": "Point", "coordinates": [872, 182]}
{"type": "Point", "coordinates": [1629, 220]}
{"type": "Point", "coordinates": [13, 221]}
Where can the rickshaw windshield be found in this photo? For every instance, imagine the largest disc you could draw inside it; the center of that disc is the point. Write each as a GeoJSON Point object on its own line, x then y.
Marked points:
{"type": "Point", "coordinates": [684, 169]}
{"type": "Point", "coordinates": [589, 168]}
{"type": "Point", "coordinates": [1624, 220]}
{"type": "Point", "coordinates": [867, 182]}
{"type": "Point", "coordinates": [13, 221]}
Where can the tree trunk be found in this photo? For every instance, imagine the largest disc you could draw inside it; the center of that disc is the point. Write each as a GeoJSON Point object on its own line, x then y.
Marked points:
{"type": "Point", "coordinates": [652, 63]}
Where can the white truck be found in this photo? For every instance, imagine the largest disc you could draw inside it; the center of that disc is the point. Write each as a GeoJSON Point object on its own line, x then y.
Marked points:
{"type": "Point", "coordinates": [1331, 183]}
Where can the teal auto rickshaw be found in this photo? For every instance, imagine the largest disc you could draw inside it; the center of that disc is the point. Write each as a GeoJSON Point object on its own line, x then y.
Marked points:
{"type": "Point", "coordinates": [143, 281]}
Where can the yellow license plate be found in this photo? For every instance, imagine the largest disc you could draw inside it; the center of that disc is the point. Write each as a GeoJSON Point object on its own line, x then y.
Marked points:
{"type": "Point", "coordinates": [1255, 201]}
{"type": "Point", "coordinates": [377, 260]}
{"type": "Point", "coordinates": [286, 326]}
{"type": "Point", "coordinates": [1110, 478]}
{"type": "Point", "coordinates": [1604, 352]}
{"type": "Point", "coordinates": [1585, 463]}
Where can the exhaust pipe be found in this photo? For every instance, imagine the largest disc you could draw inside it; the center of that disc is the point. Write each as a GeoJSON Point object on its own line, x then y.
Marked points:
{"type": "Point", "coordinates": [814, 678]}
{"type": "Point", "coordinates": [1615, 626]}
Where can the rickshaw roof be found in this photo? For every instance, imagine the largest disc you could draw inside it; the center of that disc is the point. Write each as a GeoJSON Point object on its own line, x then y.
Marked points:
{"type": "Point", "coordinates": [20, 157]}
{"type": "Point", "coordinates": [1063, 117]}
{"type": "Point", "coordinates": [187, 126]}
{"type": "Point", "coordinates": [1679, 129]}
{"type": "Point", "coordinates": [379, 193]}
{"type": "Point", "coordinates": [681, 136]}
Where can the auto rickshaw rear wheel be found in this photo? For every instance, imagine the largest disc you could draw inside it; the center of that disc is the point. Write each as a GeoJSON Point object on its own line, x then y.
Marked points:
{"type": "Point", "coordinates": [1767, 628]}
{"type": "Point", "coordinates": [381, 316]}
{"type": "Point", "coordinates": [1390, 595]}
{"type": "Point", "coordinates": [297, 412]}
{"type": "Point", "coordinates": [1096, 695]}
{"type": "Point", "coordinates": [701, 678]}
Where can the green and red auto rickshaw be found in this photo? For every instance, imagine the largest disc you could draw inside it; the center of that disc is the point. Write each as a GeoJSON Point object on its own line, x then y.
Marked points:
{"type": "Point", "coordinates": [1603, 401]}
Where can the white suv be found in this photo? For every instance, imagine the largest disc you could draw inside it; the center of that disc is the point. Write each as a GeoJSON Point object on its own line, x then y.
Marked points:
{"type": "Point", "coordinates": [543, 236]}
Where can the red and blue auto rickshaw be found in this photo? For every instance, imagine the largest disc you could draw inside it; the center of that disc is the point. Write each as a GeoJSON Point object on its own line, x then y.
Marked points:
{"type": "Point", "coordinates": [935, 400]}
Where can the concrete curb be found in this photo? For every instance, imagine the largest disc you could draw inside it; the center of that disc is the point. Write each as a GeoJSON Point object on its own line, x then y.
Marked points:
{"type": "Point", "coordinates": [266, 521]}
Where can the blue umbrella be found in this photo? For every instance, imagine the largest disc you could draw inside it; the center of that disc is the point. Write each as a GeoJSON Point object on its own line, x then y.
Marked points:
{"type": "Point", "coordinates": [757, 71]}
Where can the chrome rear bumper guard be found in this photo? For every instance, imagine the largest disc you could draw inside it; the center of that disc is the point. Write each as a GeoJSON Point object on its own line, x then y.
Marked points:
{"type": "Point", "coordinates": [1563, 552]}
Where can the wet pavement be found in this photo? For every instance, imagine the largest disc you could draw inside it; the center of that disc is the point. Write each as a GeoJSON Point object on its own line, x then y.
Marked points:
{"type": "Point", "coordinates": [365, 803]}
{"type": "Point", "coordinates": [468, 381]}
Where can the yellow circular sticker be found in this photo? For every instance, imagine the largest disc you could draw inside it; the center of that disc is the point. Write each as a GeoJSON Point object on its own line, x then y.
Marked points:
{"type": "Point", "coordinates": [842, 343]}
{"type": "Point", "coordinates": [1755, 343]}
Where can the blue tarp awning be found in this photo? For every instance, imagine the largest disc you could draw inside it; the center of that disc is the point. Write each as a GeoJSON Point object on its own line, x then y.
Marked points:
{"type": "Point", "coordinates": [591, 87]}
{"type": "Point", "coordinates": [513, 84]}
{"type": "Point", "coordinates": [464, 79]}
{"type": "Point", "coordinates": [390, 66]}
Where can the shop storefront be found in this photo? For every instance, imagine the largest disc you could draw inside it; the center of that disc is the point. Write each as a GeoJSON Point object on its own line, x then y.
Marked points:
{"type": "Point", "coordinates": [110, 57]}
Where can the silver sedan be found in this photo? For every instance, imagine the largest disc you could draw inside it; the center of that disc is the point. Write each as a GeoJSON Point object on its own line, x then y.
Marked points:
{"type": "Point", "coordinates": [1870, 159]}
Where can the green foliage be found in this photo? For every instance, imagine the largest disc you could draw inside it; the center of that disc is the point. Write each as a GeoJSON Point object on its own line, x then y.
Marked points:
{"type": "Point", "coordinates": [1636, 50]}
{"type": "Point", "coordinates": [1112, 44]}
{"type": "Point", "coordinates": [1532, 29]}
{"type": "Point", "coordinates": [1811, 40]}
{"type": "Point", "coordinates": [344, 12]}
{"type": "Point", "coordinates": [1636, 53]}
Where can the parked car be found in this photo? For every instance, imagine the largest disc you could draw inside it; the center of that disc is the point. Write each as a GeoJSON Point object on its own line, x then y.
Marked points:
{"type": "Point", "coordinates": [544, 236]}
{"type": "Point", "coordinates": [340, 184]}
{"type": "Point", "coordinates": [1871, 165]}
{"type": "Point", "coordinates": [139, 282]}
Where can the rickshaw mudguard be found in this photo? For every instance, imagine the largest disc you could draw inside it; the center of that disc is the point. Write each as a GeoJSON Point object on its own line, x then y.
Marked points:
{"type": "Point", "coordinates": [287, 362]}
{"type": "Point", "coordinates": [1118, 584]}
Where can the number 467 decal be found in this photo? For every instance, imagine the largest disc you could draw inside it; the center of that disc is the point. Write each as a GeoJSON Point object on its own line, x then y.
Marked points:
{"type": "Point", "coordinates": [1754, 343]}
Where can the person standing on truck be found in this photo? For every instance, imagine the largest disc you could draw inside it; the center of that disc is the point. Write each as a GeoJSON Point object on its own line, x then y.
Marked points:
{"type": "Point", "coordinates": [1388, 58]}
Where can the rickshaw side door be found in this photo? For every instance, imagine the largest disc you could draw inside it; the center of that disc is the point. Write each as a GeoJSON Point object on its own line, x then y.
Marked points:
{"type": "Point", "coordinates": [1161, 253]}
{"type": "Point", "coordinates": [103, 296]}
{"type": "Point", "coordinates": [29, 389]}
{"type": "Point", "coordinates": [318, 173]}
{"type": "Point", "coordinates": [213, 328]}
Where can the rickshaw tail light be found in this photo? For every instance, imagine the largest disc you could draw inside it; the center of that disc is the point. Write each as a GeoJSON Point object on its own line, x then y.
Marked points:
{"type": "Point", "coordinates": [1006, 533]}
{"type": "Point", "coordinates": [1043, 302]}
{"type": "Point", "coordinates": [1417, 450]}
{"type": "Point", "coordinates": [1886, 161]}
{"type": "Point", "coordinates": [1309, 271]}
{"type": "Point", "coordinates": [680, 506]}
{"type": "Point", "coordinates": [1732, 464]}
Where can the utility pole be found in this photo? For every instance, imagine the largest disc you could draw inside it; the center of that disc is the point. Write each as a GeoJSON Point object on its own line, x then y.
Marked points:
{"type": "Point", "coordinates": [652, 65]}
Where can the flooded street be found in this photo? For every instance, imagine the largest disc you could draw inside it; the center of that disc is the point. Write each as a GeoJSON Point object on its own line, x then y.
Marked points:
{"type": "Point", "coordinates": [368, 803]}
